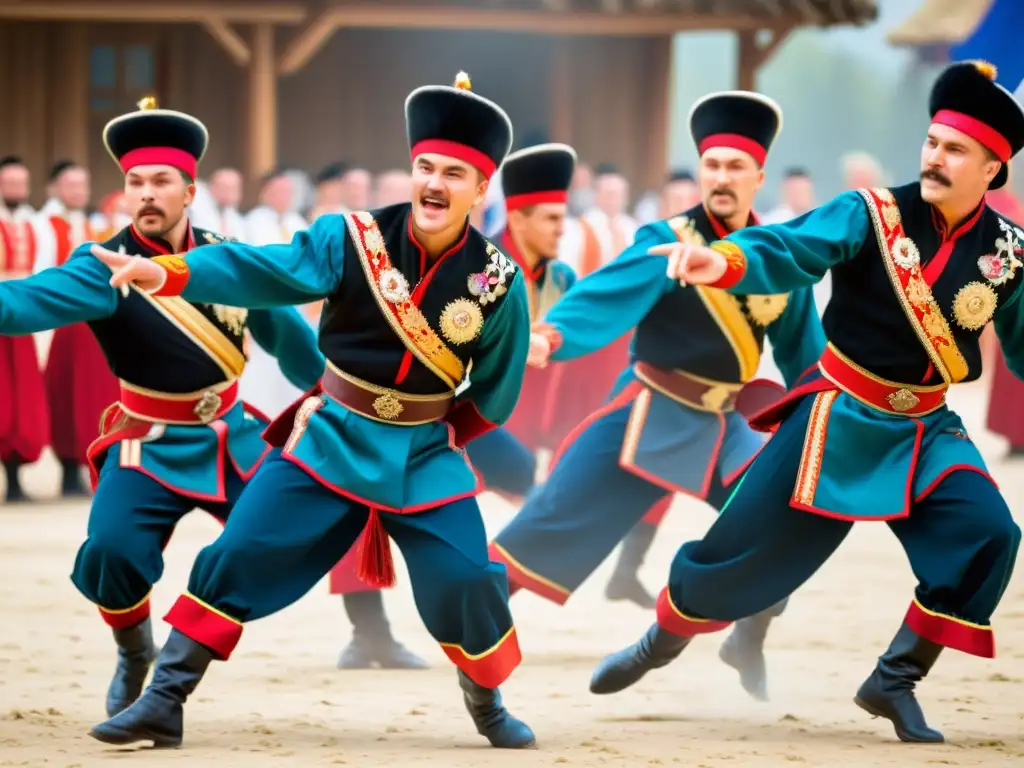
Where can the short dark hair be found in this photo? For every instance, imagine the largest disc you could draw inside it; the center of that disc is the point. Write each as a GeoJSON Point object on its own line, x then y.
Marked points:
{"type": "Point", "coordinates": [680, 174]}
{"type": "Point", "coordinates": [990, 156]}
{"type": "Point", "coordinates": [797, 172]}
{"type": "Point", "coordinates": [186, 177]}
{"type": "Point", "coordinates": [11, 160]}
{"type": "Point", "coordinates": [60, 166]}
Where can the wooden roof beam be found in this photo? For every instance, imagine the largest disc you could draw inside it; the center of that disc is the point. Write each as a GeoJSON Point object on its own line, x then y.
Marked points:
{"type": "Point", "coordinates": [252, 11]}
{"type": "Point", "coordinates": [409, 16]}
{"type": "Point", "coordinates": [229, 40]}
{"type": "Point", "coordinates": [308, 41]}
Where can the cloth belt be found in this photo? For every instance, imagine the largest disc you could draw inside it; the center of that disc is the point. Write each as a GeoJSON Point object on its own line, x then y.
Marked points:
{"type": "Point", "coordinates": [167, 408]}
{"type": "Point", "coordinates": [694, 391]}
{"type": "Point", "coordinates": [381, 403]}
{"type": "Point", "coordinates": [887, 396]}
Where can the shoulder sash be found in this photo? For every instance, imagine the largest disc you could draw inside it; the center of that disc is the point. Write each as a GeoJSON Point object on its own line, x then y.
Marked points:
{"type": "Point", "coordinates": [903, 264]}
{"type": "Point", "coordinates": [391, 290]}
{"type": "Point", "coordinates": [723, 307]}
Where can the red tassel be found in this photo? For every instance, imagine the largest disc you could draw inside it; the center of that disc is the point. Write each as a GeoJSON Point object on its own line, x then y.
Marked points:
{"type": "Point", "coordinates": [376, 567]}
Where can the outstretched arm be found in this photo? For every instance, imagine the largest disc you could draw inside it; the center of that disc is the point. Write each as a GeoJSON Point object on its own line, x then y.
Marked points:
{"type": "Point", "coordinates": [777, 258]}
{"type": "Point", "coordinates": [238, 275]}
{"type": "Point", "coordinates": [797, 336]}
{"type": "Point", "coordinates": [287, 336]}
{"type": "Point", "coordinates": [611, 301]}
{"type": "Point", "coordinates": [77, 291]}
{"type": "Point", "coordinates": [499, 365]}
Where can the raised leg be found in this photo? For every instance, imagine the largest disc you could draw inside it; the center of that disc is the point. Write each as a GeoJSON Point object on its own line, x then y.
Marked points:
{"type": "Point", "coordinates": [756, 553]}
{"type": "Point", "coordinates": [569, 525]}
{"type": "Point", "coordinates": [962, 543]}
{"type": "Point", "coordinates": [463, 600]}
{"type": "Point", "coordinates": [283, 535]}
{"type": "Point", "coordinates": [130, 520]}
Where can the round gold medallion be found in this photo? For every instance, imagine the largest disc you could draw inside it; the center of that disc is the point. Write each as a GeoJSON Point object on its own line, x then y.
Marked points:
{"type": "Point", "coordinates": [461, 321]}
{"type": "Point", "coordinates": [766, 309]}
{"type": "Point", "coordinates": [974, 305]}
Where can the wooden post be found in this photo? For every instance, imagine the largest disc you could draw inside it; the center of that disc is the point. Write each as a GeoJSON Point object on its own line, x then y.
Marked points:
{"type": "Point", "coordinates": [69, 106]}
{"type": "Point", "coordinates": [659, 99]}
{"type": "Point", "coordinates": [560, 90]}
{"type": "Point", "coordinates": [262, 103]}
{"type": "Point", "coordinates": [752, 56]}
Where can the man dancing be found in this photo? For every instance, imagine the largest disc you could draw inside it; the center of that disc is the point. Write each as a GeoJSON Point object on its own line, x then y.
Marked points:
{"type": "Point", "coordinates": [673, 424]}
{"type": "Point", "coordinates": [179, 437]}
{"type": "Point", "coordinates": [413, 294]}
{"type": "Point", "coordinates": [918, 271]}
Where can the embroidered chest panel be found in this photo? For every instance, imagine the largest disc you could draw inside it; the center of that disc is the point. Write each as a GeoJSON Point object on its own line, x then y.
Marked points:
{"type": "Point", "coordinates": [912, 304]}
{"type": "Point", "coordinates": [392, 303]}
{"type": "Point", "coordinates": [17, 247]}
{"type": "Point", "coordinates": [169, 344]}
{"type": "Point", "coordinates": [545, 284]}
{"type": "Point", "coordinates": [703, 330]}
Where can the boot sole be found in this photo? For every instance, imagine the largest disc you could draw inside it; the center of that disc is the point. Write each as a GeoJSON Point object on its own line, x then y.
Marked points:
{"type": "Point", "coordinates": [122, 739]}
{"type": "Point", "coordinates": [900, 733]}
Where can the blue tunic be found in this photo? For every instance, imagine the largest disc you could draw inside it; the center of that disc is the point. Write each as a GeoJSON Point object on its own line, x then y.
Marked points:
{"type": "Point", "coordinates": [147, 349]}
{"type": "Point", "coordinates": [708, 335]}
{"type": "Point", "coordinates": [391, 467]}
{"type": "Point", "coordinates": [870, 464]}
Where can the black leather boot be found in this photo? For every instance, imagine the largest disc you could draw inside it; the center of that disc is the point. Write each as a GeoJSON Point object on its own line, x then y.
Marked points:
{"type": "Point", "coordinates": [655, 649]}
{"type": "Point", "coordinates": [372, 643]}
{"type": "Point", "coordinates": [135, 652]}
{"type": "Point", "coordinates": [889, 691]}
{"type": "Point", "coordinates": [71, 485]}
{"type": "Point", "coordinates": [491, 718]}
{"type": "Point", "coordinates": [625, 581]}
{"type": "Point", "coordinates": [743, 650]}
{"type": "Point", "coordinates": [158, 716]}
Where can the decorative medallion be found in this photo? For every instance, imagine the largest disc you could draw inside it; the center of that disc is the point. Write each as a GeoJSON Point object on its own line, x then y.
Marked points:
{"type": "Point", "coordinates": [207, 407]}
{"type": "Point", "coordinates": [388, 407]}
{"type": "Point", "coordinates": [1000, 267]}
{"type": "Point", "coordinates": [905, 253]}
{"type": "Point", "coordinates": [393, 286]}
{"type": "Point", "coordinates": [973, 306]}
{"type": "Point", "coordinates": [461, 321]}
{"type": "Point", "coordinates": [902, 400]}
{"type": "Point", "coordinates": [212, 238]}
{"type": "Point", "coordinates": [233, 317]}
{"type": "Point", "coordinates": [766, 309]}
{"type": "Point", "coordinates": [491, 284]}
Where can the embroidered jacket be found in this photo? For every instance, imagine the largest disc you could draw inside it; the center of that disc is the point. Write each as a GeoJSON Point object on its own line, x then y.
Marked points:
{"type": "Point", "coordinates": [397, 322]}
{"type": "Point", "coordinates": [165, 345]}
{"type": "Point", "coordinates": [910, 309]}
{"type": "Point", "coordinates": [702, 331]}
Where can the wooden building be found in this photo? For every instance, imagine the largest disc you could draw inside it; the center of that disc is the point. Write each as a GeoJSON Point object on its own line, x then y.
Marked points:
{"type": "Point", "coordinates": [305, 82]}
{"type": "Point", "coordinates": [937, 25]}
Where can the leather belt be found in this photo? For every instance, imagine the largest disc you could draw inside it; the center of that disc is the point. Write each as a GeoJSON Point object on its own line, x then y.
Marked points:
{"type": "Point", "coordinates": [382, 403]}
{"type": "Point", "coordinates": [694, 391]}
{"type": "Point", "coordinates": [167, 408]}
{"type": "Point", "coordinates": [879, 393]}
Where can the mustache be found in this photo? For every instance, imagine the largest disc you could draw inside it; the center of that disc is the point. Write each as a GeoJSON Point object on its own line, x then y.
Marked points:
{"type": "Point", "coordinates": [937, 176]}
{"type": "Point", "coordinates": [725, 192]}
{"type": "Point", "coordinates": [149, 210]}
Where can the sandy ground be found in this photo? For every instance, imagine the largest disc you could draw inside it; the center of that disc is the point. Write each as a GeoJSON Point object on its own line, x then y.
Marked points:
{"type": "Point", "coordinates": [281, 698]}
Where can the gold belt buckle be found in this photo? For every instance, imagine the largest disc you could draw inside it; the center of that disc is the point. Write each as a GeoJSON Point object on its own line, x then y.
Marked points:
{"type": "Point", "coordinates": [387, 406]}
{"type": "Point", "coordinates": [902, 400]}
{"type": "Point", "coordinates": [715, 398]}
{"type": "Point", "coordinates": [207, 407]}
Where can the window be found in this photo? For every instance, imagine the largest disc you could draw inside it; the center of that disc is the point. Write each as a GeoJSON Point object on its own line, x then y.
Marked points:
{"type": "Point", "coordinates": [120, 75]}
